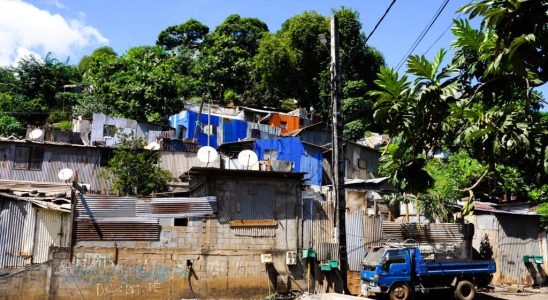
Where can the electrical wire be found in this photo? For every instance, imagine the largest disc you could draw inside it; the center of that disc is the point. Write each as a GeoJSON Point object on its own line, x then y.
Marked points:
{"type": "Point", "coordinates": [371, 34]}
{"type": "Point", "coordinates": [444, 32]}
{"type": "Point", "coordinates": [422, 34]}
{"type": "Point", "coordinates": [379, 22]}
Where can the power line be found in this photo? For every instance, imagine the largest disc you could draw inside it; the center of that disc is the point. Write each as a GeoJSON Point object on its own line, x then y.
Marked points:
{"type": "Point", "coordinates": [379, 22]}
{"type": "Point", "coordinates": [422, 34]}
{"type": "Point", "coordinates": [370, 35]}
{"type": "Point", "coordinates": [444, 32]}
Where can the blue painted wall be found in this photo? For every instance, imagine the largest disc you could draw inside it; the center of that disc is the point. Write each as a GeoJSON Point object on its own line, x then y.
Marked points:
{"type": "Point", "coordinates": [307, 160]}
{"type": "Point", "coordinates": [231, 131]}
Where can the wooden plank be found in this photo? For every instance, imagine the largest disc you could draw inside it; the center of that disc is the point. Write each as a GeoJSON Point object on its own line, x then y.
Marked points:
{"type": "Point", "coordinates": [253, 223]}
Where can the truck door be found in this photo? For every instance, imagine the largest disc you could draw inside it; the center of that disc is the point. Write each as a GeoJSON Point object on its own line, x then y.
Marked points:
{"type": "Point", "coordinates": [396, 266]}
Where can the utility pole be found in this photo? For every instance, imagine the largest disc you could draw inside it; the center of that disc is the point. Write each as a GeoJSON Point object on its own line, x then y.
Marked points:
{"type": "Point", "coordinates": [337, 151]}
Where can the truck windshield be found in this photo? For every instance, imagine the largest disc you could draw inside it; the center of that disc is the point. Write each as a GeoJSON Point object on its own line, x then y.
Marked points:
{"type": "Point", "coordinates": [373, 257]}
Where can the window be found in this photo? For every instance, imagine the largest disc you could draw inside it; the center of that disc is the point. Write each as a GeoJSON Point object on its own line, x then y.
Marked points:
{"type": "Point", "coordinates": [395, 256]}
{"type": "Point", "coordinates": [105, 157]}
{"type": "Point", "coordinates": [28, 158]}
{"type": "Point", "coordinates": [270, 154]}
{"type": "Point", "coordinates": [180, 222]}
{"type": "Point", "coordinates": [255, 133]}
{"type": "Point", "coordinates": [283, 124]}
{"type": "Point", "coordinates": [208, 128]}
{"type": "Point", "coordinates": [109, 131]}
{"type": "Point", "coordinates": [362, 163]}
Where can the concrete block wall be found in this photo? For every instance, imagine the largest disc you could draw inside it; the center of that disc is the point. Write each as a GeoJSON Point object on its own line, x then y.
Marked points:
{"type": "Point", "coordinates": [123, 273]}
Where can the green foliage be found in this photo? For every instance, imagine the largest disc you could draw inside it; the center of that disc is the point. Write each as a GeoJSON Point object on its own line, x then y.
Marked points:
{"type": "Point", "coordinates": [482, 103]}
{"type": "Point", "coordinates": [97, 56]}
{"type": "Point", "coordinates": [134, 170]}
{"type": "Point", "coordinates": [87, 105]}
{"type": "Point", "coordinates": [188, 34]}
{"type": "Point", "coordinates": [63, 125]}
{"type": "Point", "coordinates": [229, 96]}
{"type": "Point", "coordinates": [9, 125]}
{"type": "Point", "coordinates": [139, 84]}
{"type": "Point", "coordinates": [542, 210]}
{"type": "Point", "coordinates": [289, 104]}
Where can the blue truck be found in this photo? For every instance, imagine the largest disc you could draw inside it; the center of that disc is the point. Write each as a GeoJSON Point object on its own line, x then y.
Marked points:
{"type": "Point", "coordinates": [400, 272]}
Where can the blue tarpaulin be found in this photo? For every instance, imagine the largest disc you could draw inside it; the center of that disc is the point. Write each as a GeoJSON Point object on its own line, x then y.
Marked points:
{"type": "Point", "coordinates": [232, 131]}
{"type": "Point", "coordinates": [307, 160]}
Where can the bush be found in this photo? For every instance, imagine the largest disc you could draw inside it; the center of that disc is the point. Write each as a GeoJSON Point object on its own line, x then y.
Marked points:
{"type": "Point", "coordinates": [9, 125]}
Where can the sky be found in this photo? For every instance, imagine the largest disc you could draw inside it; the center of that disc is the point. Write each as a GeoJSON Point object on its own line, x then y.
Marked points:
{"type": "Point", "coordinates": [70, 29]}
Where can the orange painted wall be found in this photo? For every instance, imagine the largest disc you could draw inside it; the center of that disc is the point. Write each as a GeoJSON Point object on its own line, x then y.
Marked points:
{"type": "Point", "coordinates": [292, 122]}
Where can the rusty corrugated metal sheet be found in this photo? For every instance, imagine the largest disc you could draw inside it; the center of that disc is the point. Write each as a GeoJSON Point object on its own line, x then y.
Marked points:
{"type": "Point", "coordinates": [111, 218]}
{"type": "Point", "coordinates": [175, 207]}
{"type": "Point", "coordinates": [104, 217]}
{"type": "Point", "coordinates": [517, 237]}
{"type": "Point", "coordinates": [16, 232]}
{"type": "Point", "coordinates": [52, 229]}
{"type": "Point", "coordinates": [104, 206]}
{"type": "Point", "coordinates": [84, 160]}
{"type": "Point", "coordinates": [425, 233]}
{"type": "Point", "coordinates": [118, 229]}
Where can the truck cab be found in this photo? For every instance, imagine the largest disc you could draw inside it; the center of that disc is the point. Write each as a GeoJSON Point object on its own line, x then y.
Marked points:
{"type": "Point", "coordinates": [402, 271]}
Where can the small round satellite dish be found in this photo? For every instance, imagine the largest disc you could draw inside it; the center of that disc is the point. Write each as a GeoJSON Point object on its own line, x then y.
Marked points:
{"type": "Point", "coordinates": [65, 174]}
{"type": "Point", "coordinates": [207, 154]}
{"type": "Point", "coordinates": [247, 158]}
{"type": "Point", "coordinates": [36, 134]}
{"type": "Point", "coordinates": [153, 146]}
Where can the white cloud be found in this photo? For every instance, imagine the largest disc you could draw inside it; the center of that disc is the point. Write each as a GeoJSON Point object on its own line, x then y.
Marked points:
{"type": "Point", "coordinates": [26, 29]}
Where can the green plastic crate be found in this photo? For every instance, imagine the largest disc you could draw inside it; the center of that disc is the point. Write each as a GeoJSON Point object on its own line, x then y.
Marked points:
{"type": "Point", "coordinates": [334, 264]}
{"type": "Point", "coordinates": [533, 259]}
{"type": "Point", "coordinates": [309, 253]}
{"type": "Point", "coordinates": [325, 266]}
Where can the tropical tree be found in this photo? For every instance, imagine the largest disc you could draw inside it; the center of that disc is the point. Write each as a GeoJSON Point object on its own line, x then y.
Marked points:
{"type": "Point", "coordinates": [134, 170]}
{"type": "Point", "coordinates": [481, 102]}
{"type": "Point", "coordinates": [141, 84]}
{"type": "Point", "coordinates": [188, 34]}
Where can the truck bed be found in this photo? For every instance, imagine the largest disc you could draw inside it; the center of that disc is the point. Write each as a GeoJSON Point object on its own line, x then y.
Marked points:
{"type": "Point", "coordinates": [454, 267]}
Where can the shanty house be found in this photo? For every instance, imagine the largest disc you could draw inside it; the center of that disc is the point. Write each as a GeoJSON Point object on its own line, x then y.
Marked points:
{"type": "Point", "coordinates": [510, 234]}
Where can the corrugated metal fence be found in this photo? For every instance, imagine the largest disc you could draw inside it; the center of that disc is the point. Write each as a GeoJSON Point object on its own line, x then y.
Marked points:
{"type": "Point", "coordinates": [27, 232]}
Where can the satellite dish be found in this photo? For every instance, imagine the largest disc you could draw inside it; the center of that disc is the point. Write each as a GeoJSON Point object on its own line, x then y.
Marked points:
{"type": "Point", "coordinates": [36, 134]}
{"type": "Point", "coordinates": [207, 154]}
{"type": "Point", "coordinates": [247, 158]}
{"type": "Point", "coordinates": [153, 146]}
{"type": "Point", "coordinates": [65, 174]}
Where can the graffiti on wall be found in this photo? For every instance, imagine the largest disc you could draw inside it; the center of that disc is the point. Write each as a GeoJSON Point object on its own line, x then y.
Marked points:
{"type": "Point", "coordinates": [138, 276]}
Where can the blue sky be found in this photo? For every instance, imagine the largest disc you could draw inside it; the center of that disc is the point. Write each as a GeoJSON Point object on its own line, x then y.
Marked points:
{"type": "Point", "coordinates": [121, 24]}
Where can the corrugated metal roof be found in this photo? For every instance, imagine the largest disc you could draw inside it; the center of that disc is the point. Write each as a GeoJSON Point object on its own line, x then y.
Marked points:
{"type": "Point", "coordinates": [175, 207]}
{"type": "Point", "coordinates": [111, 218]}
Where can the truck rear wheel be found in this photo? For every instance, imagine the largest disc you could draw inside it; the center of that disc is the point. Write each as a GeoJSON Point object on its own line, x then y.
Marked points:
{"type": "Point", "coordinates": [465, 290]}
{"type": "Point", "coordinates": [400, 291]}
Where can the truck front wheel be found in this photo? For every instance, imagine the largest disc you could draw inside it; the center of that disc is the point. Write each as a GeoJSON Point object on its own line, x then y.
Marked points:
{"type": "Point", "coordinates": [400, 291]}
{"type": "Point", "coordinates": [465, 290]}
